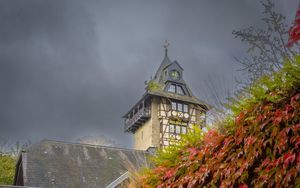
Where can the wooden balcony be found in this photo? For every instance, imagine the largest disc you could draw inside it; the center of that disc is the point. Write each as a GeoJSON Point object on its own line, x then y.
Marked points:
{"type": "Point", "coordinates": [137, 118]}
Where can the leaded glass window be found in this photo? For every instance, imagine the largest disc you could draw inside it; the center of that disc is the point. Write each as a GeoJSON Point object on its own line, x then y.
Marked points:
{"type": "Point", "coordinates": [179, 107]}
{"type": "Point", "coordinates": [179, 90]}
{"type": "Point", "coordinates": [172, 88]}
{"type": "Point", "coordinates": [172, 129]}
{"type": "Point", "coordinates": [178, 129]}
{"type": "Point", "coordinates": [185, 108]}
{"type": "Point", "coordinates": [174, 107]}
{"type": "Point", "coordinates": [183, 130]}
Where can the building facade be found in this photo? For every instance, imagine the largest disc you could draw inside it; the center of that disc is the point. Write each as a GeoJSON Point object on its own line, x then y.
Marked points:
{"type": "Point", "coordinates": [167, 109]}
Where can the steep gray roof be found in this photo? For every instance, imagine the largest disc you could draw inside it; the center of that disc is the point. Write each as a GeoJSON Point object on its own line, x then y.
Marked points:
{"type": "Point", "coordinates": [165, 63]}
{"type": "Point", "coordinates": [158, 78]}
{"type": "Point", "coordinates": [59, 164]}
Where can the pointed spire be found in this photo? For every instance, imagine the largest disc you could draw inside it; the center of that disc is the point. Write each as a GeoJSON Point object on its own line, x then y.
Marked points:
{"type": "Point", "coordinates": [165, 62]}
{"type": "Point", "coordinates": [166, 45]}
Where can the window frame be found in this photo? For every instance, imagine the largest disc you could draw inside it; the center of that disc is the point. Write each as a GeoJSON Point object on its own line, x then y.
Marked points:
{"type": "Point", "coordinates": [175, 89]}
{"type": "Point", "coordinates": [180, 88]}
{"type": "Point", "coordinates": [177, 129]}
{"type": "Point", "coordinates": [171, 90]}
{"type": "Point", "coordinates": [177, 104]}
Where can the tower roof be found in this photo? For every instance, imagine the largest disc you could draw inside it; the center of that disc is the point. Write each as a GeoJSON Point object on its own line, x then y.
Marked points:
{"type": "Point", "coordinates": [163, 74]}
{"type": "Point", "coordinates": [162, 83]}
{"type": "Point", "coordinates": [165, 63]}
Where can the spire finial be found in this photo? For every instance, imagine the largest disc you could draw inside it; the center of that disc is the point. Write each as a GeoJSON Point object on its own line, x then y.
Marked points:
{"type": "Point", "coordinates": [166, 45]}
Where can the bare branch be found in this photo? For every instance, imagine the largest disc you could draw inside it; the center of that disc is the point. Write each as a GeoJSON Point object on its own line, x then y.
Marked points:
{"type": "Point", "coordinates": [266, 47]}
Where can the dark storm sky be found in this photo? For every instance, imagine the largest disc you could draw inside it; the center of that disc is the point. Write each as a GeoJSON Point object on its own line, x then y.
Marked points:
{"type": "Point", "coordinates": [72, 68]}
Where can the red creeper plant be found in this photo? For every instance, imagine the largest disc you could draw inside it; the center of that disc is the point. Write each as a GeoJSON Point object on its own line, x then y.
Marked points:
{"type": "Point", "coordinates": [260, 148]}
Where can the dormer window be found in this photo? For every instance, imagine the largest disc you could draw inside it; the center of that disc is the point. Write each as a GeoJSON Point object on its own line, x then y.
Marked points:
{"type": "Point", "coordinates": [172, 88]}
{"type": "Point", "coordinates": [179, 90]}
{"type": "Point", "coordinates": [175, 88]}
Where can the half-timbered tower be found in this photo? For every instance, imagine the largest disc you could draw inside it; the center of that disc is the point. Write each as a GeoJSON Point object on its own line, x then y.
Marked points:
{"type": "Point", "coordinates": [167, 109]}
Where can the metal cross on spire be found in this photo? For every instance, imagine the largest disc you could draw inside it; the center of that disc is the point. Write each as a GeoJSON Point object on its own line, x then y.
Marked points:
{"type": "Point", "coordinates": [166, 45]}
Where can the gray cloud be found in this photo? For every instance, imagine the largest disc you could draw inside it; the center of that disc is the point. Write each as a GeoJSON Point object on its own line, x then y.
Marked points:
{"type": "Point", "coordinates": [70, 69]}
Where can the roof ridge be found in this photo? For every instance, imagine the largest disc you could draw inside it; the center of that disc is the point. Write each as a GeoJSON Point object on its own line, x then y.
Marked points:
{"type": "Point", "coordinates": [89, 145]}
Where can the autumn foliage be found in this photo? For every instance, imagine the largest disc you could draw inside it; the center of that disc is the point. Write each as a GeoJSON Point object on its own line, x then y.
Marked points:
{"type": "Point", "coordinates": [259, 149]}
{"type": "Point", "coordinates": [294, 31]}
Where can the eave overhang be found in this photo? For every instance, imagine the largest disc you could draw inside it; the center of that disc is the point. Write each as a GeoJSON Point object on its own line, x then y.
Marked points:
{"type": "Point", "coordinates": [192, 100]}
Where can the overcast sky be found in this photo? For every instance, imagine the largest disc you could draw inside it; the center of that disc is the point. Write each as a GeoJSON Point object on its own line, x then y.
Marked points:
{"type": "Point", "coordinates": [72, 68]}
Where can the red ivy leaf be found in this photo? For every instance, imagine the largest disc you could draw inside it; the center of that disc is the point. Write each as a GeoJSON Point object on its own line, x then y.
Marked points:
{"type": "Point", "coordinates": [169, 174]}
{"type": "Point", "coordinates": [289, 158]}
{"type": "Point", "coordinates": [294, 100]}
{"type": "Point", "coordinates": [243, 186]}
{"type": "Point", "coordinates": [296, 128]}
{"type": "Point", "coordinates": [278, 117]}
{"type": "Point", "coordinates": [193, 152]}
{"type": "Point", "coordinates": [288, 108]}
{"type": "Point", "coordinates": [239, 118]}
{"type": "Point", "coordinates": [250, 140]}
{"type": "Point", "coordinates": [296, 97]}
{"type": "Point", "coordinates": [294, 34]}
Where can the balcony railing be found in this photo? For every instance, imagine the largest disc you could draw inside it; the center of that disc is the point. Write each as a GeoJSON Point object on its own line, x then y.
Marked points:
{"type": "Point", "coordinates": [139, 118]}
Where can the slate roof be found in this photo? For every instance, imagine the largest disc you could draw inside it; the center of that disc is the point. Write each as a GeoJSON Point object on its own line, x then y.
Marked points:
{"type": "Point", "coordinates": [191, 99]}
{"type": "Point", "coordinates": [60, 164]}
{"type": "Point", "coordinates": [11, 186]}
{"type": "Point", "coordinates": [165, 63]}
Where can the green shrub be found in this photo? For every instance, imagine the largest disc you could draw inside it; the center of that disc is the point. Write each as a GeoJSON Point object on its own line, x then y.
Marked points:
{"type": "Point", "coordinates": [153, 86]}
{"type": "Point", "coordinates": [7, 169]}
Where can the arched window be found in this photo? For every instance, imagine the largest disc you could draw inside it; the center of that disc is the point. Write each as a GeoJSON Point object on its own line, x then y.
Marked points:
{"type": "Point", "coordinates": [172, 88]}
